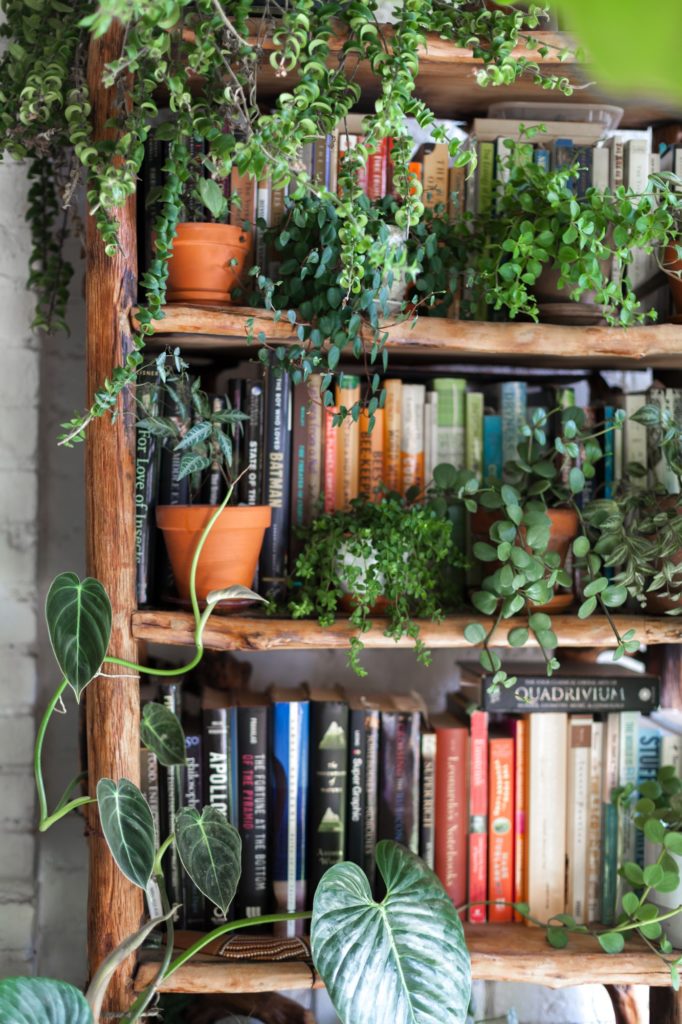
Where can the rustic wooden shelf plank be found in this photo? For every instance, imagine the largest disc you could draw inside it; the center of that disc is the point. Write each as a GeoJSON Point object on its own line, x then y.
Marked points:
{"type": "Point", "coordinates": [225, 328]}
{"type": "Point", "coordinates": [498, 953]}
{"type": "Point", "coordinates": [260, 633]}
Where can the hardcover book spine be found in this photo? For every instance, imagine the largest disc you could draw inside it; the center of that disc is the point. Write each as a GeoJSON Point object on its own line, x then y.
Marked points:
{"type": "Point", "coordinates": [520, 729]}
{"type": "Point", "coordinates": [399, 780]}
{"type": "Point", "coordinates": [501, 830]}
{"type": "Point", "coordinates": [328, 773]}
{"type": "Point", "coordinates": [371, 454]}
{"type": "Point", "coordinates": [252, 481]}
{"type": "Point", "coordinates": [150, 786]}
{"type": "Point", "coordinates": [371, 828]}
{"type": "Point", "coordinates": [376, 171]}
{"type": "Point", "coordinates": [609, 453]}
{"type": "Point", "coordinates": [314, 449]}
{"type": "Point", "coordinates": [347, 444]}
{"type": "Point", "coordinates": [451, 420]}
{"type": "Point", "coordinates": [627, 774]}
{"type": "Point", "coordinates": [474, 433]}
{"type": "Point", "coordinates": [546, 845]}
{"type": "Point", "coordinates": [393, 435]}
{"type": "Point", "coordinates": [531, 696]}
{"type": "Point", "coordinates": [648, 763]}
{"type": "Point", "coordinates": [594, 846]}
{"type": "Point", "coordinates": [262, 219]}
{"type": "Point", "coordinates": [412, 437]}
{"type": "Point", "coordinates": [243, 205]}
{"type": "Point", "coordinates": [430, 413]}
{"type": "Point", "coordinates": [290, 723]}
{"type": "Point", "coordinates": [193, 913]}
{"type": "Point", "coordinates": [435, 176]}
{"type": "Point", "coordinates": [577, 824]}
{"type": "Point", "coordinates": [584, 157]}
{"type": "Point", "coordinates": [299, 464]}
{"type": "Point", "coordinates": [513, 403]}
{"type": "Point", "coordinates": [357, 766]}
{"type": "Point", "coordinates": [273, 561]}
{"type": "Point", "coordinates": [427, 829]}
{"type": "Point", "coordinates": [452, 751]}
{"type": "Point", "coordinates": [486, 164]}
{"type": "Point", "coordinates": [172, 490]}
{"type": "Point", "coordinates": [492, 447]}
{"type": "Point", "coordinates": [478, 817]}
{"type": "Point", "coordinates": [147, 460]}
{"type": "Point", "coordinates": [218, 761]}
{"type": "Point", "coordinates": [170, 790]}
{"type": "Point", "coordinates": [330, 459]}
{"type": "Point", "coordinates": [635, 440]}
{"type": "Point", "coordinates": [252, 794]}
{"type": "Point", "coordinates": [213, 489]}
{"type": "Point", "coordinates": [609, 864]}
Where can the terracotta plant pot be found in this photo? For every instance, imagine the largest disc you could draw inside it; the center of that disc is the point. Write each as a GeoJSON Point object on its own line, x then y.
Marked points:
{"type": "Point", "coordinates": [564, 530]}
{"type": "Point", "coordinates": [672, 264]}
{"type": "Point", "coordinates": [230, 554]}
{"type": "Point", "coordinates": [200, 269]}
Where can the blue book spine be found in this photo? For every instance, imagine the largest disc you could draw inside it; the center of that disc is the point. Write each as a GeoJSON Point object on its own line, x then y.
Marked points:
{"type": "Point", "coordinates": [492, 447]}
{"type": "Point", "coordinates": [609, 864]}
{"type": "Point", "coordinates": [583, 155]}
{"type": "Point", "coordinates": [513, 403]}
{"type": "Point", "coordinates": [290, 729]}
{"type": "Point", "coordinates": [564, 156]}
{"type": "Point", "coordinates": [542, 157]}
{"type": "Point", "coordinates": [648, 763]}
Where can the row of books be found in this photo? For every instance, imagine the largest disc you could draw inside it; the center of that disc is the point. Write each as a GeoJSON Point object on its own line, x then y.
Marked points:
{"type": "Point", "coordinates": [509, 802]}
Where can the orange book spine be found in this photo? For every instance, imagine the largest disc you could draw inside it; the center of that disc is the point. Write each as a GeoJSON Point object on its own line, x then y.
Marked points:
{"type": "Point", "coordinates": [501, 830]}
{"type": "Point", "coordinates": [478, 817]}
{"type": "Point", "coordinates": [520, 785]}
{"type": "Point", "coordinates": [393, 435]}
{"type": "Point", "coordinates": [347, 444]}
{"type": "Point", "coordinates": [330, 440]}
{"type": "Point", "coordinates": [371, 455]}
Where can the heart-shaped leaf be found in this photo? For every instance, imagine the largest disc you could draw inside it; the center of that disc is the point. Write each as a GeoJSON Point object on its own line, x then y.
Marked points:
{"type": "Point", "coordinates": [78, 617]}
{"type": "Point", "coordinates": [401, 961]}
{"type": "Point", "coordinates": [42, 1001]}
{"type": "Point", "coordinates": [128, 828]}
{"type": "Point", "coordinates": [211, 853]}
{"type": "Point", "coordinates": [237, 592]}
{"type": "Point", "coordinates": [161, 732]}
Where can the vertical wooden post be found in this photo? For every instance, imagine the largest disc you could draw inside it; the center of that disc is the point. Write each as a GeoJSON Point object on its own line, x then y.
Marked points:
{"type": "Point", "coordinates": [112, 709]}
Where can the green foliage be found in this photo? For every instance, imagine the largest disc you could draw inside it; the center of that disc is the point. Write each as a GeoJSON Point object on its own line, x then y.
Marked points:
{"type": "Point", "coordinates": [78, 615]}
{"type": "Point", "coordinates": [128, 828]}
{"type": "Point", "coordinates": [388, 550]}
{"type": "Point", "coordinates": [405, 956]}
{"type": "Point", "coordinates": [210, 850]}
{"type": "Point", "coordinates": [161, 732]}
{"type": "Point", "coordinates": [42, 1001]}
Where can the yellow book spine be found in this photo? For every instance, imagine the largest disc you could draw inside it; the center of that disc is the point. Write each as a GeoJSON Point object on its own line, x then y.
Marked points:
{"type": "Point", "coordinates": [393, 435]}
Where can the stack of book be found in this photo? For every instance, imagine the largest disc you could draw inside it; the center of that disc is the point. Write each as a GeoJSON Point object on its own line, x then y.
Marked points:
{"type": "Point", "coordinates": [506, 796]}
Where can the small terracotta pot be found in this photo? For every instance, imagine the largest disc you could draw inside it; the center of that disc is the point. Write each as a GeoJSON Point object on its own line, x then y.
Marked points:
{"type": "Point", "coordinates": [563, 531]}
{"type": "Point", "coordinates": [672, 265]}
{"type": "Point", "coordinates": [230, 554]}
{"type": "Point", "coordinates": [200, 269]}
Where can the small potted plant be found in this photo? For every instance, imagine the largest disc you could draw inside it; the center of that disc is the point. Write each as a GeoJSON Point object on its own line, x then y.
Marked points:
{"type": "Point", "coordinates": [204, 437]}
{"type": "Point", "coordinates": [380, 557]}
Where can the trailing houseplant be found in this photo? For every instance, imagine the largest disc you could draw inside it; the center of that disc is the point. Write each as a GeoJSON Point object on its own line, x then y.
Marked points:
{"type": "Point", "coordinates": [47, 115]}
{"type": "Point", "coordinates": [202, 436]}
{"type": "Point", "coordinates": [385, 556]}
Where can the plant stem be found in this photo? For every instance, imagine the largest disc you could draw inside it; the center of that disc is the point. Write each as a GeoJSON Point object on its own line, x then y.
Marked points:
{"type": "Point", "coordinates": [144, 998]}
{"type": "Point", "coordinates": [38, 750]}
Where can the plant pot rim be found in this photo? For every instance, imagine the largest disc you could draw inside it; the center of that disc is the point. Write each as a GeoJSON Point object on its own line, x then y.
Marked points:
{"type": "Point", "coordinates": [224, 234]}
{"type": "Point", "coordinates": [195, 517]}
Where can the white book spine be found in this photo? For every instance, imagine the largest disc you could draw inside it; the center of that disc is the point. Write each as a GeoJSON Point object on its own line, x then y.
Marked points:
{"type": "Point", "coordinates": [671, 750]}
{"type": "Point", "coordinates": [627, 774]}
{"type": "Point", "coordinates": [548, 757]}
{"type": "Point", "coordinates": [634, 438]}
{"type": "Point", "coordinates": [594, 844]}
{"type": "Point", "coordinates": [430, 425]}
{"type": "Point", "coordinates": [577, 823]}
{"type": "Point", "coordinates": [600, 168]}
{"type": "Point", "coordinates": [611, 755]}
{"type": "Point", "coordinates": [262, 213]}
{"type": "Point", "coordinates": [636, 165]}
{"type": "Point", "coordinates": [412, 438]}
{"type": "Point", "coordinates": [474, 432]}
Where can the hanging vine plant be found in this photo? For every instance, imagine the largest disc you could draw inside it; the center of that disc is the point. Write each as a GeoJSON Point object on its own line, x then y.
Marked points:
{"type": "Point", "coordinates": [205, 57]}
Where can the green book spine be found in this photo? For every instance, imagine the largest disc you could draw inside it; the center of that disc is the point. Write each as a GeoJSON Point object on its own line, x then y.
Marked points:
{"type": "Point", "coordinates": [609, 864]}
{"type": "Point", "coordinates": [450, 421]}
{"type": "Point", "coordinates": [486, 169]}
{"type": "Point", "coordinates": [474, 432]}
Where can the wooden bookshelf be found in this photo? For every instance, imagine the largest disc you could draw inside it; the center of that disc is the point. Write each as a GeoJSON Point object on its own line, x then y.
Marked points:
{"type": "Point", "coordinates": [225, 328]}
{"type": "Point", "coordinates": [498, 953]}
{"type": "Point", "coordinates": [261, 633]}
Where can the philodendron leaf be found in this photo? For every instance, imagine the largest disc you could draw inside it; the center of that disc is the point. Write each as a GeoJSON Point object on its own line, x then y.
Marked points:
{"type": "Point", "coordinates": [128, 828]}
{"type": "Point", "coordinates": [211, 853]}
{"type": "Point", "coordinates": [236, 592]}
{"type": "Point", "coordinates": [42, 1001]}
{"type": "Point", "coordinates": [78, 617]}
{"type": "Point", "coordinates": [401, 961]}
{"type": "Point", "coordinates": [161, 732]}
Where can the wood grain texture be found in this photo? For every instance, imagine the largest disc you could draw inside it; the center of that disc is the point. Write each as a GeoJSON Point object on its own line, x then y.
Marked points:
{"type": "Point", "coordinates": [112, 705]}
{"type": "Point", "coordinates": [260, 633]}
{"type": "Point", "coordinates": [658, 345]}
{"type": "Point", "coordinates": [498, 953]}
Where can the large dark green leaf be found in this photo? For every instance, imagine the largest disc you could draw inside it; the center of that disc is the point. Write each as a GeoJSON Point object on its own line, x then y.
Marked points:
{"type": "Point", "coordinates": [211, 853]}
{"type": "Point", "coordinates": [78, 617]}
{"type": "Point", "coordinates": [161, 732]}
{"type": "Point", "coordinates": [401, 961]}
{"type": "Point", "coordinates": [128, 828]}
{"type": "Point", "coordinates": [42, 1001]}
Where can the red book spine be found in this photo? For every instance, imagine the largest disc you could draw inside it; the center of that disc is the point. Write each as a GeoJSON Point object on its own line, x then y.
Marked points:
{"type": "Point", "coordinates": [478, 817]}
{"type": "Point", "coordinates": [520, 728]}
{"type": "Point", "coordinates": [376, 171]}
{"type": "Point", "coordinates": [451, 810]}
{"type": "Point", "coordinates": [330, 438]}
{"type": "Point", "coordinates": [501, 830]}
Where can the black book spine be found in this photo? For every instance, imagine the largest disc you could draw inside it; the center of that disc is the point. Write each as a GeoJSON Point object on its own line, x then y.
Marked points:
{"type": "Point", "coordinates": [217, 771]}
{"type": "Point", "coordinates": [147, 457]}
{"type": "Point", "coordinates": [213, 490]}
{"type": "Point", "coordinates": [170, 802]}
{"type": "Point", "coordinates": [400, 779]}
{"type": "Point", "coordinates": [150, 786]}
{"type": "Point", "coordinates": [370, 831]}
{"type": "Point", "coordinates": [151, 181]}
{"type": "Point", "coordinates": [235, 395]}
{"type": "Point", "coordinates": [328, 772]}
{"type": "Point", "coordinates": [193, 914]}
{"type": "Point", "coordinates": [254, 407]}
{"type": "Point", "coordinates": [252, 793]}
{"type": "Point", "coordinates": [277, 489]}
{"type": "Point", "coordinates": [172, 491]}
{"type": "Point", "coordinates": [427, 824]}
{"type": "Point", "coordinates": [357, 796]}
{"type": "Point", "coordinates": [531, 696]}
